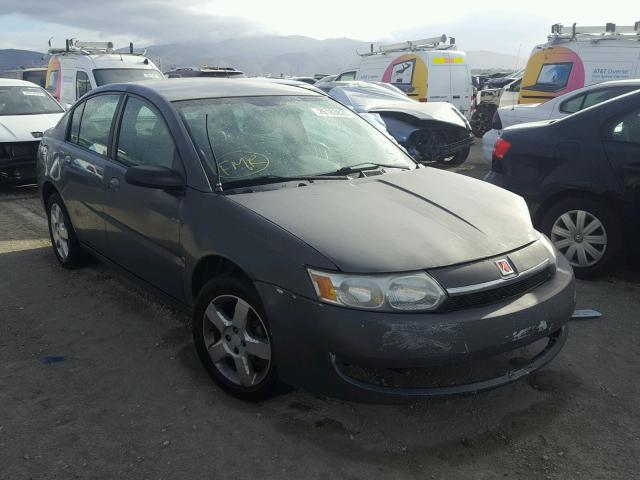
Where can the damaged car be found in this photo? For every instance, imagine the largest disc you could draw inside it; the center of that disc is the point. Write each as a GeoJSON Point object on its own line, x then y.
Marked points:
{"type": "Point", "coordinates": [432, 132]}
{"type": "Point", "coordinates": [311, 250]}
{"type": "Point", "coordinates": [26, 111]}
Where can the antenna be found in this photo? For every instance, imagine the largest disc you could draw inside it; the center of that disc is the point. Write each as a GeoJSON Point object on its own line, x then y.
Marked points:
{"type": "Point", "coordinates": [513, 105]}
{"type": "Point", "coordinates": [218, 186]}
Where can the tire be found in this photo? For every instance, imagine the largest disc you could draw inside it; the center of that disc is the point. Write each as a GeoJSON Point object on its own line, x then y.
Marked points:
{"type": "Point", "coordinates": [225, 347]}
{"type": "Point", "coordinates": [458, 159]}
{"type": "Point", "coordinates": [606, 239]}
{"type": "Point", "coordinates": [67, 250]}
{"type": "Point", "coordinates": [481, 119]}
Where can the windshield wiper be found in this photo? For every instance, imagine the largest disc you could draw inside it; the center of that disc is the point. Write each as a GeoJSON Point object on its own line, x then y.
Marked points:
{"type": "Point", "coordinates": [266, 179]}
{"type": "Point", "coordinates": [359, 167]}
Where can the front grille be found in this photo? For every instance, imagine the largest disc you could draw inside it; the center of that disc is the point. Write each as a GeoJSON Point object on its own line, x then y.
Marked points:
{"type": "Point", "coordinates": [16, 151]}
{"type": "Point", "coordinates": [497, 294]}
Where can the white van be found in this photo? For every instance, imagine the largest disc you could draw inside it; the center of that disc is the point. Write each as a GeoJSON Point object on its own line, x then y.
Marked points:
{"type": "Point", "coordinates": [428, 70]}
{"type": "Point", "coordinates": [575, 57]}
{"type": "Point", "coordinates": [83, 66]}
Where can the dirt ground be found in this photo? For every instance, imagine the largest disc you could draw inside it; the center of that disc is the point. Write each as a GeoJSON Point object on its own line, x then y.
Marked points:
{"type": "Point", "coordinates": [99, 380]}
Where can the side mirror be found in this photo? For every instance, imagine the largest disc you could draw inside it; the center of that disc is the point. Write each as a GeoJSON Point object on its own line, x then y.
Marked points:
{"type": "Point", "coordinates": [150, 176]}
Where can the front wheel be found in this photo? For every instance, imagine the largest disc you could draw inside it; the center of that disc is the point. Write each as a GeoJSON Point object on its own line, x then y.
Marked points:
{"type": "Point", "coordinates": [233, 340]}
{"type": "Point", "coordinates": [586, 232]}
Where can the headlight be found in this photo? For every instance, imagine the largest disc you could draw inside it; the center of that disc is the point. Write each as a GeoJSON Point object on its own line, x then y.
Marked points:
{"type": "Point", "coordinates": [405, 292]}
{"type": "Point", "coordinates": [550, 247]}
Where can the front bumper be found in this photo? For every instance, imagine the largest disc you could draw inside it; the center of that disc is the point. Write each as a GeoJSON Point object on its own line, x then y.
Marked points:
{"type": "Point", "coordinates": [311, 339]}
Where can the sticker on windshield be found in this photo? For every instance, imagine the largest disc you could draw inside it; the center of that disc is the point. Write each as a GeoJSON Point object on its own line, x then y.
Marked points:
{"type": "Point", "coordinates": [331, 112]}
{"type": "Point", "coordinates": [241, 164]}
{"type": "Point", "coordinates": [33, 93]}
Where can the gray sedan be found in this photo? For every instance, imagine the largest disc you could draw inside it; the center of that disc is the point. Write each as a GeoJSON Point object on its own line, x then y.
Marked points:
{"type": "Point", "coordinates": [311, 250]}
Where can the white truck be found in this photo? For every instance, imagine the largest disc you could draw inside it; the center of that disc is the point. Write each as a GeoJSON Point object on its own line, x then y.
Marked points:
{"type": "Point", "coordinates": [83, 66]}
{"type": "Point", "coordinates": [427, 70]}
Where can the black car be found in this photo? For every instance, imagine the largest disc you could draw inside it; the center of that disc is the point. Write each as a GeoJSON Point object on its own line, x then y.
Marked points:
{"type": "Point", "coordinates": [581, 178]}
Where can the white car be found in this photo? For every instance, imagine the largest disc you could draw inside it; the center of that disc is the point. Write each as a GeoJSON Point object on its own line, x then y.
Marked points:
{"type": "Point", "coordinates": [26, 112]}
{"type": "Point", "coordinates": [558, 107]}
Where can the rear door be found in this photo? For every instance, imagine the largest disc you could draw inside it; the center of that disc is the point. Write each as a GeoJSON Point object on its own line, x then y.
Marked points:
{"type": "Point", "coordinates": [439, 81]}
{"type": "Point", "coordinates": [460, 84]}
{"type": "Point", "coordinates": [143, 224]}
{"type": "Point", "coordinates": [82, 159]}
{"type": "Point", "coordinates": [622, 143]}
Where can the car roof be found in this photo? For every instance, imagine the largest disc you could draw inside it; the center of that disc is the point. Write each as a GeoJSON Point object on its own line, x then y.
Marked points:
{"type": "Point", "coordinates": [203, 87]}
{"type": "Point", "coordinates": [12, 82]}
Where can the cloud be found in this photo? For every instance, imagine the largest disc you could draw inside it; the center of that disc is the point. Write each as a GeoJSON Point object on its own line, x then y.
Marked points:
{"type": "Point", "coordinates": [151, 21]}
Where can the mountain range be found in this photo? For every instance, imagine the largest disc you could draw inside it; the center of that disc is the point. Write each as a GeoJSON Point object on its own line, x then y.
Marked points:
{"type": "Point", "coordinates": [287, 55]}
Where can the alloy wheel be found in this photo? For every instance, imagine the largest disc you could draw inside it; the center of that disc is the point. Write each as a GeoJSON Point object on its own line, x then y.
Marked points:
{"type": "Point", "coordinates": [581, 237]}
{"type": "Point", "coordinates": [59, 231]}
{"type": "Point", "coordinates": [236, 340]}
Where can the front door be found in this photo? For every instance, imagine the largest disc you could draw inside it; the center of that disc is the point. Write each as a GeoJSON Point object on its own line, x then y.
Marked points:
{"type": "Point", "coordinates": [143, 224]}
{"type": "Point", "coordinates": [439, 81]}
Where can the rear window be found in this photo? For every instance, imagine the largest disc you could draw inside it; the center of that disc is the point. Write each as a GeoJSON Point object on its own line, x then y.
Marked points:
{"type": "Point", "coordinates": [594, 97]}
{"type": "Point", "coordinates": [38, 77]}
{"type": "Point", "coordinates": [105, 76]}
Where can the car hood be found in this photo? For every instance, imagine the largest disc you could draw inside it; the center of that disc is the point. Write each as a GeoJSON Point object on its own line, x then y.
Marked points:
{"type": "Point", "coordinates": [404, 221]}
{"type": "Point", "coordinates": [435, 111]}
{"type": "Point", "coordinates": [19, 128]}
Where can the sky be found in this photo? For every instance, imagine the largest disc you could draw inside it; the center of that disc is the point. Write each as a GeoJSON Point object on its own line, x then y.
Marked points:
{"type": "Point", "coordinates": [501, 26]}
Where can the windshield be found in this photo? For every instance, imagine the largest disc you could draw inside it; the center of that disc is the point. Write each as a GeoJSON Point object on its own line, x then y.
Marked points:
{"type": "Point", "coordinates": [18, 100]}
{"type": "Point", "coordinates": [105, 76]}
{"type": "Point", "coordinates": [285, 136]}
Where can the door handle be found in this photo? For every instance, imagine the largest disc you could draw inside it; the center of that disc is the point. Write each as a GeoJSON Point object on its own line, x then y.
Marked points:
{"type": "Point", "coordinates": [114, 184]}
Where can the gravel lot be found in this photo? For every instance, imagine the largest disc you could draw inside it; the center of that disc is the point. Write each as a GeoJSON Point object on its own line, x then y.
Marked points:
{"type": "Point", "coordinates": [99, 380]}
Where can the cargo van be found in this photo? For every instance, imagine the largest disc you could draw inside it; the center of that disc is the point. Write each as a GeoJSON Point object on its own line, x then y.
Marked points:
{"type": "Point", "coordinates": [428, 70]}
{"type": "Point", "coordinates": [83, 66]}
{"type": "Point", "coordinates": [575, 57]}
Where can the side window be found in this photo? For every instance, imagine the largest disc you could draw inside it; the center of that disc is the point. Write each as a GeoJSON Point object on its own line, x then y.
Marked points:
{"type": "Point", "coordinates": [346, 76]}
{"type": "Point", "coordinates": [573, 105]}
{"type": "Point", "coordinates": [626, 128]}
{"type": "Point", "coordinates": [595, 97]}
{"type": "Point", "coordinates": [74, 131]}
{"type": "Point", "coordinates": [83, 84]}
{"type": "Point", "coordinates": [95, 123]}
{"type": "Point", "coordinates": [144, 138]}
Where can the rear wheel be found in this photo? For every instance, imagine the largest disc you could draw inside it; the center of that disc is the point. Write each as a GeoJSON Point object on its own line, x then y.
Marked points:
{"type": "Point", "coordinates": [233, 340]}
{"type": "Point", "coordinates": [63, 238]}
{"type": "Point", "coordinates": [586, 232]}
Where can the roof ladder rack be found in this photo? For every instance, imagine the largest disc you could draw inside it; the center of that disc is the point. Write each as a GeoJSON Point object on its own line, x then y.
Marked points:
{"type": "Point", "coordinates": [412, 45]}
{"type": "Point", "coordinates": [608, 31]}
